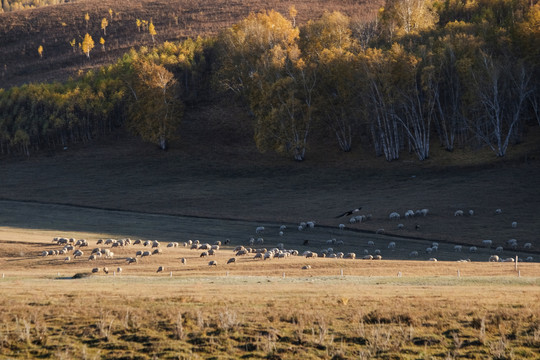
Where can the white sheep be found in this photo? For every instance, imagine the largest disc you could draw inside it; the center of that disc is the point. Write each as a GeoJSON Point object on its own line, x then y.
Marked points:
{"type": "Point", "coordinates": [487, 243]}
{"type": "Point", "coordinates": [377, 257]}
{"type": "Point", "coordinates": [400, 226]}
{"type": "Point", "coordinates": [508, 260]}
{"type": "Point", "coordinates": [458, 248]}
{"type": "Point", "coordinates": [458, 213]}
{"type": "Point", "coordinates": [350, 255]}
{"type": "Point", "coordinates": [340, 255]}
{"type": "Point", "coordinates": [212, 263]}
{"type": "Point", "coordinates": [429, 250]}
{"type": "Point", "coordinates": [259, 229]}
{"type": "Point", "coordinates": [499, 249]}
{"type": "Point", "coordinates": [471, 212]}
{"type": "Point", "coordinates": [424, 212]}
{"type": "Point", "coordinates": [409, 213]}
{"type": "Point", "coordinates": [368, 257]}
{"type": "Point", "coordinates": [371, 243]}
{"type": "Point", "coordinates": [95, 270]}
{"type": "Point", "coordinates": [67, 258]}
{"type": "Point", "coordinates": [283, 227]}
{"type": "Point", "coordinates": [394, 216]}
{"type": "Point", "coordinates": [311, 224]}
{"type": "Point", "coordinates": [432, 259]}
{"type": "Point", "coordinates": [183, 261]}
{"type": "Point", "coordinates": [306, 267]}
{"type": "Point", "coordinates": [77, 253]}
{"type": "Point", "coordinates": [527, 246]}
{"type": "Point", "coordinates": [392, 245]}
{"type": "Point", "coordinates": [413, 254]}
{"type": "Point", "coordinates": [118, 270]}
{"type": "Point", "coordinates": [473, 249]}
{"type": "Point", "coordinates": [494, 258]}
{"type": "Point", "coordinates": [341, 226]}
{"type": "Point", "coordinates": [498, 211]}
{"type": "Point", "coordinates": [514, 224]}
{"type": "Point", "coordinates": [377, 252]}
{"type": "Point", "coordinates": [529, 258]}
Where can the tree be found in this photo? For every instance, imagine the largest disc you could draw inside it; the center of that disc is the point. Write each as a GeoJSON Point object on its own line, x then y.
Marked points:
{"type": "Point", "coordinates": [111, 13]}
{"type": "Point", "coordinates": [156, 111]}
{"type": "Point", "coordinates": [87, 19]}
{"type": "Point", "coordinates": [102, 42]}
{"type": "Point", "coordinates": [72, 44]}
{"type": "Point", "coordinates": [139, 23]}
{"type": "Point", "coordinates": [152, 31]}
{"type": "Point", "coordinates": [104, 24]}
{"type": "Point", "coordinates": [40, 51]}
{"type": "Point", "coordinates": [87, 45]}
{"type": "Point", "coordinates": [407, 16]}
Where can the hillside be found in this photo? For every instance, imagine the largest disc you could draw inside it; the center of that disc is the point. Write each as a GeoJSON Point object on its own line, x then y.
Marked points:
{"type": "Point", "coordinates": [54, 27]}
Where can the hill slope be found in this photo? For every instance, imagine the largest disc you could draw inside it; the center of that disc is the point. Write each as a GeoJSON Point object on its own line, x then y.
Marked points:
{"type": "Point", "coordinates": [54, 27]}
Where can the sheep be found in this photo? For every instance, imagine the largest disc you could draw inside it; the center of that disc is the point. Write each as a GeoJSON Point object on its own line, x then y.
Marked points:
{"type": "Point", "coordinates": [310, 254]}
{"type": "Point", "coordinates": [392, 245]}
{"type": "Point", "coordinates": [350, 255]}
{"type": "Point", "coordinates": [529, 258]}
{"type": "Point", "coordinates": [67, 258]}
{"type": "Point", "coordinates": [211, 252]}
{"type": "Point", "coordinates": [508, 260]}
{"type": "Point", "coordinates": [183, 261]}
{"type": "Point", "coordinates": [106, 270]}
{"type": "Point", "coordinates": [379, 231]}
{"type": "Point", "coordinates": [340, 255]}
{"type": "Point", "coordinates": [330, 242]}
{"type": "Point", "coordinates": [205, 246]}
{"type": "Point", "coordinates": [394, 216]}
{"type": "Point", "coordinates": [78, 253]}
{"type": "Point", "coordinates": [429, 250]}
{"type": "Point", "coordinates": [377, 257]}
{"type": "Point", "coordinates": [217, 243]}
{"type": "Point", "coordinates": [527, 246]}
{"type": "Point", "coordinates": [137, 242]}
{"type": "Point", "coordinates": [424, 212]}
{"type": "Point", "coordinates": [306, 267]}
{"type": "Point", "coordinates": [95, 270]}
{"type": "Point", "coordinates": [413, 254]}
{"type": "Point", "coordinates": [118, 270]}
{"type": "Point", "coordinates": [157, 251]}
{"type": "Point", "coordinates": [146, 253]}
{"type": "Point", "coordinates": [160, 269]}
{"type": "Point", "coordinates": [238, 248]}
{"type": "Point", "coordinates": [512, 243]}
{"type": "Point", "coordinates": [458, 213]}
{"type": "Point", "coordinates": [473, 249]}
{"type": "Point", "coordinates": [377, 252]}
{"type": "Point", "coordinates": [45, 253]}
{"type": "Point", "coordinates": [131, 260]}
{"type": "Point", "coordinates": [231, 260]}
{"type": "Point", "coordinates": [339, 243]}
{"type": "Point", "coordinates": [155, 244]}
{"type": "Point", "coordinates": [371, 243]}
{"type": "Point", "coordinates": [283, 227]}
{"type": "Point", "coordinates": [280, 233]}
{"type": "Point", "coordinates": [259, 229]}
{"type": "Point", "coordinates": [499, 249]}
{"type": "Point", "coordinates": [310, 224]}
{"type": "Point", "coordinates": [409, 213]}
{"type": "Point", "coordinates": [366, 251]}
{"type": "Point", "coordinates": [494, 258]}
{"type": "Point", "coordinates": [514, 224]}
{"type": "Point", "coordinates": [212, 263]}
{"type": "Point", "coordinates": [368, 257]}
{"type": "Point", "coordinates": [260, 241]}
{"type": "Point", "coordinates": [280, 246]}
{"type": "Point", "coordinates": [268, 256]}
{"type": "Point", "coordinates": [241, 252]}
{"type": "Point", "coordinates": [92, 257]}
{"type": "Point", "coordinates": [341, 226]}
{"type": "Point", "coordinates": [432, 259]}
{"type": "Point", "coordinates": [471, 212]}
{"type": "Point", "coordinates": [204, 254]}
{"type": "Point", "coordinates": [194, 247]}
{"type": "Point", "coordinates": [138, 253]}
{"type": "Point", "coordinates": [487, 243]}
{"type": "Point", "coordinates": [258, 256]}
{"type": "Point", "coordinates": [498, 211]}
{"type": "Point", "coordinates": [400, 226]}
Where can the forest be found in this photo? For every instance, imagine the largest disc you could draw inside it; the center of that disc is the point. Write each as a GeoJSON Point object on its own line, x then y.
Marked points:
{"type": "Point", "coordinates": [455, 73]}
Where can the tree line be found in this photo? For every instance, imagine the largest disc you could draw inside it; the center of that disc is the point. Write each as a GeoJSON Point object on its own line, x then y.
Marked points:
{"type": "Point", "coordinates": [459, 73]}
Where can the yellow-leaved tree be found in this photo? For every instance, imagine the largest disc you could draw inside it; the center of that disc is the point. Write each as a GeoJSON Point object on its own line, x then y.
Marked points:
{"type": "Point", "coordinates": [40, 51]}
{"type": "Point", "coordinates": [157, 110]}
{"type": "Point", "coordinates": [152, 31]}
{"type": "Point", "coordinates": [87, 45]}
{"type": "Point", "coordinates": [104, 24]}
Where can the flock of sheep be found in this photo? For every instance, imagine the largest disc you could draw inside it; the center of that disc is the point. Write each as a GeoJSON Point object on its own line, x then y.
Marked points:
{"type": "Point", "coordinates": [254, 246]}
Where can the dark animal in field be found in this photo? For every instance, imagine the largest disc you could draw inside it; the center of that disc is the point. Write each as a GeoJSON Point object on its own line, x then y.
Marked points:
{"type": "Point", "coordinates": [350, 212]}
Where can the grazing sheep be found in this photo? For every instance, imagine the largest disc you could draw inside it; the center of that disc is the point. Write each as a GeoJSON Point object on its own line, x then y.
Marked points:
{"type": "Point", "coordinates": [432, 259]}
{"type": "Point", "coordinates": [78, 253]}
{"type": "Point", "coordinates": [429, 250]}
{"type": "Point", "coordinates": [366, 251]}
{"type": "Point", "coordinates": [106, 270]}
{"type": "Point", "coordinates": [95, 270]}
{"type": "Point", "coordinates": [424, 212]}
{"type": "Point", "coordinates": [487, 243]}
{"type": "Point", "coordinates": [368, 257]}
{"type": "Point", "coordinates": [377, 257]}
{"type": "Point", "coordinates": [118, 270]}
{"type": "Point", "coordinates": [238, 248]}
{"type": "Point", "coordinates": [212, 263]}
{"type": "Point", "coordinates": [194, 247]}
{"type": "Point", "coordinates": [139, 253]}
{"type": "Point", "coordinates": [157, 251]}
{"type": "Point", "coordinates": [241, 252]}
{"type": "Point", "coordinates": [350, 255]}
{"type": "Point", "coordinates": [260, 241]}
{"type": "Point", "coordinates": [413, 254]}
{"type": "Point", "coordinates": [340, 255]}
{"type": "Point", "coordinates": [458, 213]}
{"type": "Point", "coordinates": [339, 243]}
{"type": "Point", "coordinates": [211, 252]}
{"type": "Point", "coordinates": [231, 260]}
{"type": "Point", "coordinates": [92, 257]}
{"type": "Point", "coordinates": [131, 260]}
{"type": "Point", "coordinates": [379, 231]}
{"type": "Point", "coordinates": [310, 254]}
{"type": "Point", "coordinates": [283, 227]}
{"type": "Point", "coordinates": [204, 254]}
{"type": "Point", "coordinates": [400, 226]}
{"type": "Point", "coordinates": [512, 243]}
{"type": "Point", "coordinates": [306, 267]}
{"type": "Point", "coordinates": [494, 258]}
{"type": "Point", "coordinates": [146, 253]}
{"type": "Point", "coordinates": [205, 247]}
{"type": "Point", "coordinates": [268, 256]}
{"type": "Point", "coordinates": [371, 243]}
{"type": "Point", "coordinates": [473, 249]}
{"type": "Point", "coordinates": [529, 258]}
{"type": "Point", "coordinates": [394, 216]}
{"type": "Point", "coordinates": [160, 269]}
{"type": "Point", "coordinates": [392, 245]}
{"type": "Point", "coordinates": [280, 233]}
{"type": "Point", "coordinates": [45, 253]}
{"type": "Point", "coordinates": [409, 213]}
{"type": "Point", "coordinates": [137, 242]}
{"type": "Point", "coordinates": [377, 252]}
{"type": "Point", "coordinates": [259, 229]}
{"type": "Point", "coordinates": [499, 249]}
{"type": "Point", "coordinates": [67, 258]}
{"type": "Point", "coordinates": [258, 256]}
{"type": "Point", "coordinates": [508, 260]}
{"type": "Point", "coordinates": [310, 224]}
{"type": "Point", "coordinates": [498, 211]}
{"type": "Point", "coordinates": [217, 243]}
{"type": "Point", "coordinates": [155, 244]}
{"type": "Point", "coordinates": [527, 246]}
{"type": "Point", "coordinates": [471, 212]}
{"type": "Point", "coordinates": [341, 226]}
{"type": "Point", "coordinates": [183, 261]}
{"type": "Point", "coordinates": [514, 224]}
